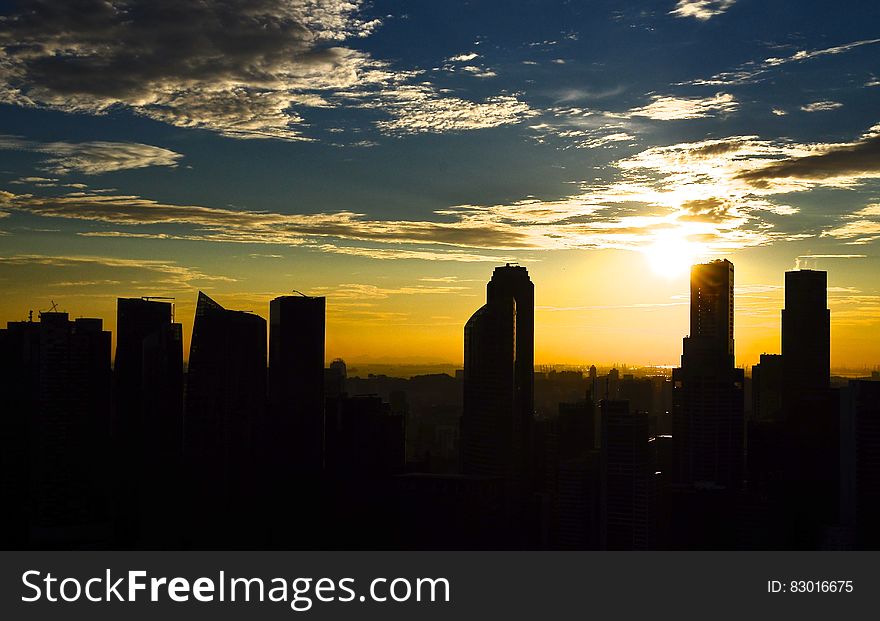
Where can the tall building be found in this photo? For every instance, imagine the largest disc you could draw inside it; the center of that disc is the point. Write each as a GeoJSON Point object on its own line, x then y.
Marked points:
{"type": "Point", "coordinates": [224, 422]}
{"type": "Point", "coordinates": [296, 381]}
{"type": "Point", "coordinates": [136, 319]}
{"type": "Point", "coordinates": [806, 332]}
{"type": "Point", "coordinates": [860, 443]}
{"type": "Point", "coordinates": [512, 282]}
{"type": "Point", "coordinates": [56, 431]}
{"type": "Point", "coordinates": [767, 383]}
{"type": "Point", "coordinates": [811, 410]}
{"type": "Point", "coordinates": [707, 388]}
{"type": "Point", "coordinates": [499, 379]}
{"type": "Point", "coordinates": [365, 449]}
{"type": "Point", "coordinates": [162, 459]}
{"type": "Point", "coordinates": [492, 435]}
{"type": "Point", "coordinates": [628, 517]}
{"type": "Point", "coordinates": [148, 377]}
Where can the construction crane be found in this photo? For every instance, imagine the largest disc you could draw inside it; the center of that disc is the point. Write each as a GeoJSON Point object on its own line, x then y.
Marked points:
{"type": "Point", "coordinates": [52, 309]}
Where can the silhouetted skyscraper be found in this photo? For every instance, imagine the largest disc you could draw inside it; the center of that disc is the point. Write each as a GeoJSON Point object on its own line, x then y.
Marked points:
{"type": "Point", "coordinates": [513, 282]}
{"type": "Point", "coordinates": [224, 420]}
{"type": "Point", "coordinates": [707, 388]}
{"type": "Point", "coordinates": [149, 411]}
{"type": "Point", "coordinates": [811, 410]}
{"type": "Point", "coordinates": [492, 435]}
{"type": "Point", "coordinates": [499, 379]}
{"type": "Point", "coordinates": [136, 319]}
{"type": "Point", "coordinates": [628, 519]}
{"type": "Point", "coordinates": [296, 382]}
{"type": "Point", "coordinates": [767, 383]}
{"type": "Point", "coordinates": [806, 332]}
{"type": "Point", "coordinates": [861, 461]}
{"type": "Point", "coordinates": [162, 460]}
{"type": "Point", "coordinates": [365, 448]}
{"type": "Point", "coordinates": [56, 435]}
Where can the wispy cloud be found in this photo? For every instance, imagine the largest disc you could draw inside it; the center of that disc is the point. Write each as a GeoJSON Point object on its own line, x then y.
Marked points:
{"type": "Point", "coordinates": [821, 106]}
{"type": "Point", "coordinates": [360, 291]}
{"type": "Point", "coordinates": [671, 108]}
{"type": "Point", "coordinates": [227, 225]}
{"type": "Point", "coordinates": [91, 158]}
{"type": "Point", "coordinates": [757, 70]}
{"type": "Point", "coordinates": [416, 110]}
{"type": "Point", "coordinates": [713, 195]}
{"type": "Point", "coordinates": [860, 227]}
{"type": "Point", "coordinates": [134, 274]}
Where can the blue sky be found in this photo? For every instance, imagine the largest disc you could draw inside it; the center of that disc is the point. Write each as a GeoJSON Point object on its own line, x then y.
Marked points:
{"type": "Point", "coordinates": [387, 154]}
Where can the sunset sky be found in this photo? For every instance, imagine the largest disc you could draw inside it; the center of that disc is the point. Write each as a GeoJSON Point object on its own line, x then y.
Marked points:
{"type": "Point", "coordinates": [389, 154]}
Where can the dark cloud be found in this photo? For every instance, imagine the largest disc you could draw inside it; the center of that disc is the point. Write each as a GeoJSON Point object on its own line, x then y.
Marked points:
{"type": "Point", "coordinates": [239, 67]}
{"type": "Point", "coordinates": [130, 49]}
{"type": "Point", "coordinates": [720, 147]}
{"type": "Point", "coordinates": [856, 160]}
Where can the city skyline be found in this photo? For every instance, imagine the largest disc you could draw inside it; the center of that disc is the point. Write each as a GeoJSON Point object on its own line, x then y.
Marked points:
{"type": "Point", "coordinates": [386, 158]}
{"type": "Point", "coordinates": [172, 304]}
{"type": "Point", "coordinates": [496, 456]}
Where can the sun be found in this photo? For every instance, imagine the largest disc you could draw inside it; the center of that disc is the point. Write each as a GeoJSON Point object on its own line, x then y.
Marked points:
{"type": "Point", "coordinates": [671, 254]}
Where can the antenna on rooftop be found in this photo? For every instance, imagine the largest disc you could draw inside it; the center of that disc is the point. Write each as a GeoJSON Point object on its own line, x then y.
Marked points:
{"type": "Point", "coordinates": [149, 298]}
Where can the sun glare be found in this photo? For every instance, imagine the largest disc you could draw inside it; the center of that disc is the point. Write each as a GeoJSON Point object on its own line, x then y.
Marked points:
{"type": "Point", "coordinates": [672, 255]}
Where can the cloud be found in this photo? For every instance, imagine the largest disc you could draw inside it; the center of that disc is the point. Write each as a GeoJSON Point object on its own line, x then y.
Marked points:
{"type": "Point", "coordinates": [583, 128]}
{"type": "Point", "coordinates": [701, 9]}
{"type": "Point", "coordinates": [670, 108]}
{"type": "Point", "coordinates": [413, 254]}
{"type": "Point", "coordinates": [91, 158]}
{"type": "Point", "coordinates": [241, 68]}
{"type": "Point", "coordinates": [165, 274]}
{"type": "Point", "coordinates": [227, 225]}
{"type": "Point", "coordinates": [860, 227]}
{"type": "Point", "coordinates": [755, 71]}
{"type": "Point", "coordinates": [832, 256]}
{"type": "Point", "coordinates": [709, 197]}
{"type": "Point", "coordinates": [415, 110]}
{"type": "Point", "coordinates": [821, 106]}
{"type": "Point", "coordinates": [359, 291]}
{"type": "Point", "coordinates": [463, 58]}
{"type": "Point", "coordinates": [844, 163]}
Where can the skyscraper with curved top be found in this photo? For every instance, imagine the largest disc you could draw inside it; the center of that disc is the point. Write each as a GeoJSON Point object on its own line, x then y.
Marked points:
{"type": "Point", "coordinates": [499, 379]}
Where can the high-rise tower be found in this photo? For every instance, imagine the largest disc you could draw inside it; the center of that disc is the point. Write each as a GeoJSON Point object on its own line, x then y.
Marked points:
{"type": "Point", "coordinates": [148, 375]}
{"type": "Point", "coordinates": [499, 379]}
{"type": "Point", "coordinates": [224, 421]}
{"type": "Point", "coordinates": [513, 282]}
{"type": "Point", "coordinates": [296, 381]}
{"type": "Point", "coordinates": [707, 388]}
{"type": "Point", "coordinates": [806, 332]}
